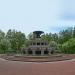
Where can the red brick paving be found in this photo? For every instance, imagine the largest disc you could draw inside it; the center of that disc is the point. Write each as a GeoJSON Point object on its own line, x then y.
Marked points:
{"type": "Point", "coordinates": [22, 68]}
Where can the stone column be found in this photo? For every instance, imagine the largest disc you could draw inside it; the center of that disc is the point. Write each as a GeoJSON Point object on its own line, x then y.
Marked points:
{"type": "Point", "coordinates": [50, 49]}
{"type": "Point", "coordinates": [49, 52]}
{"type": "Point", "coordinates": [26, 52]}
{"type": "Point", "coordinates": [34, 52]}
{"type": "Point", "coordinates": [42, 52]}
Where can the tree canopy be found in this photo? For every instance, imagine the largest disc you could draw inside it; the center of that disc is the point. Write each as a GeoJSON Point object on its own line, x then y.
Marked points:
{"type": "Point", "coordinates": [15, 40]}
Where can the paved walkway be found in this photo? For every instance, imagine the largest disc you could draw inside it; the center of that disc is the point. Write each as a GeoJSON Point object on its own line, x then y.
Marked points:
{"type": "Point", "coordinates": [25, 68]}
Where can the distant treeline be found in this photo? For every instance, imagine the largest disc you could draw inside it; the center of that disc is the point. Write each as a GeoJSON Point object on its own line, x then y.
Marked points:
{"type": "Point", "coordinates": [14, 41]}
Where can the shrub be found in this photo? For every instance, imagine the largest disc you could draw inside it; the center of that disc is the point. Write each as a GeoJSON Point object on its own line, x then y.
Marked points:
{"type": "Point", "coordinates": [69, 46]}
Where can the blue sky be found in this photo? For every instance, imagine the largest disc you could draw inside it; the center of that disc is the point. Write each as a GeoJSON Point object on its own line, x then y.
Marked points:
{"type": "Point", "coordinates": [30, 15]}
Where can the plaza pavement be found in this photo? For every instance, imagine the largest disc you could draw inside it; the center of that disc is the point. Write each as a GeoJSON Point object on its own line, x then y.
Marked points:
{"type": "Point", "coordinates": [35, 68]}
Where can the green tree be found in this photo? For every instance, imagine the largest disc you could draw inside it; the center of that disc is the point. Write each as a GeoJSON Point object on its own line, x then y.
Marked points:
{"type": "Point", "coordinates": [55, 37]}
{"type": "Point", "coordinates": [73, 32]}
{"type": "Point", "coordinates": [2, 35]}
{"type": "Point", "coordinates": [5, 45]}
{"type": "Point", "coordinates": [47, 37]}
{"type": "Point", "coordinates": [65, 35]}
{"type": "Point", "coordinates": [30, 36]}
{"type": "Point", "coordinates": [69, 46]}
{"type": "Point", "coordinates": [53, 44]}
{"type": "Point", "coordinates": [16, 38]}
